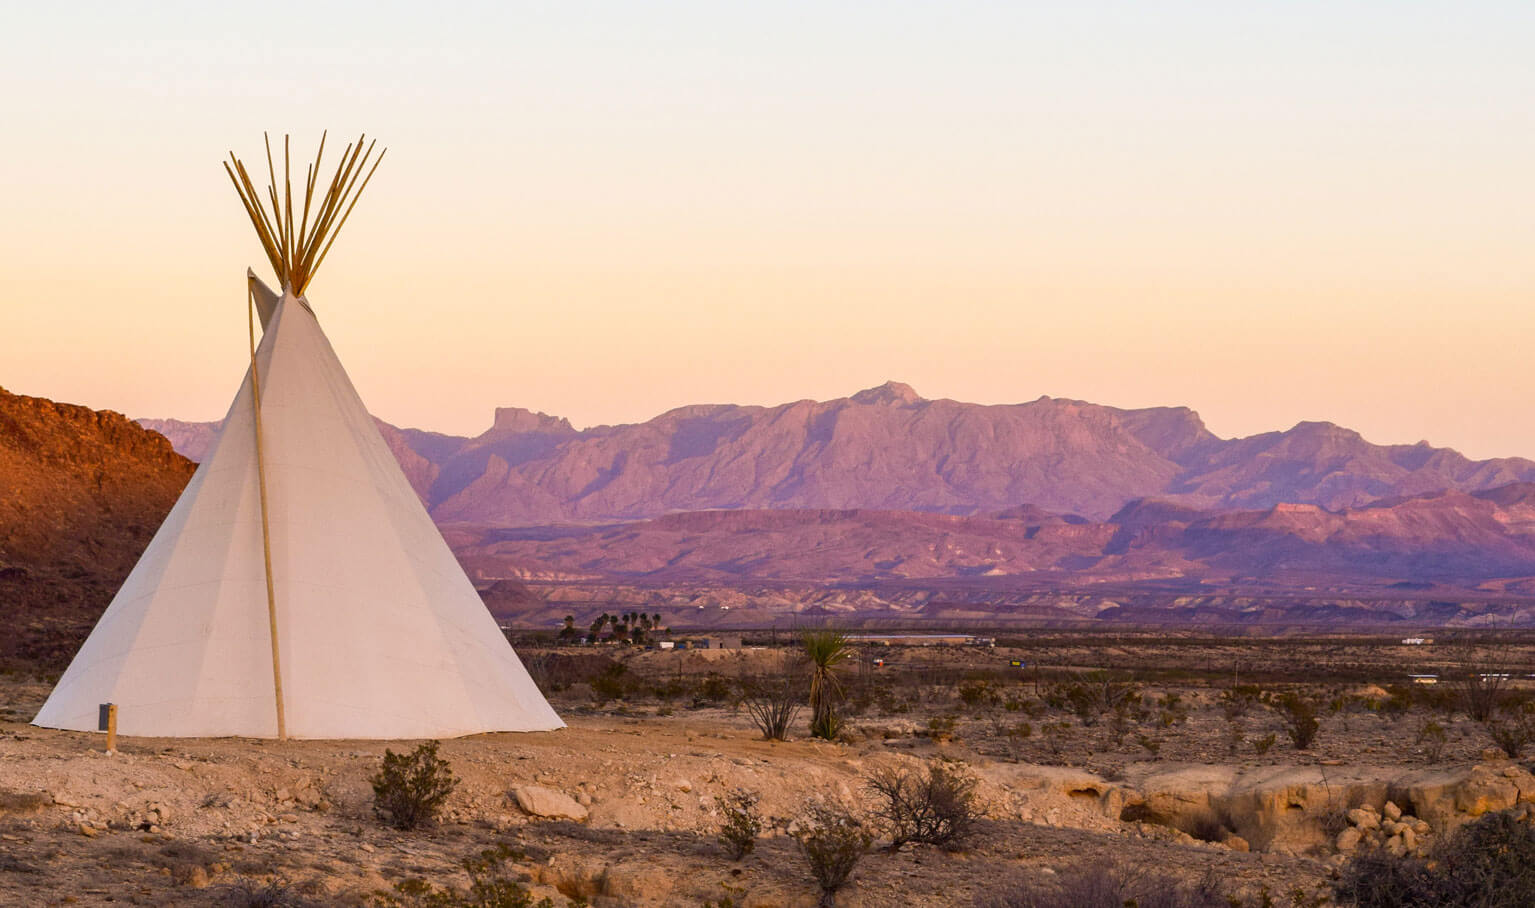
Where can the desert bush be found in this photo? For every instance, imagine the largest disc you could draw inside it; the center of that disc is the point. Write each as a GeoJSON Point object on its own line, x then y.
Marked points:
{"type": "Point", "coordinates": [978, 694]}
{"type": "Point", "coordinates": [1481, 693]}
{"type": "Point", "coordinates": [712, 690]}
{"type": "Point", "coordinates": [1094, 696]}
{"type": "Point", "coordinates": [1489, 863]}
{"type": "Point", "coordinates": [1238, 700]}
{"type": "Point", "coordinates": [539, 665]}
{"type": "Point", "coordinates": [1013, 738]}
{"type": "Point", "coordinates": [772, 703]}
{"type": "Point", "coordinates": [936, 807]}
{"type": "Point", "coordinates": [833, 841]}
{"type": "Point", "coordinates": [941, 728]}
{"type": "Point", "coordinates": [826, 650]}
{"type": "Point", "coordinates": [1093, 885]}
{"type": "Point", "coordinates": [1432, 736]}
{"type": "Point", "coordinates": [610, 683]}
{"type": "Point", "coordinates": [741, 824]}
{"type": "Point", "coordinates": [409, 789]}
{"type": "Point", "coordinates": [1512, 734]}
{"type": "Point", "coordinates": [1055, 735]}
{"type": "Point", "coordinates": [276, 892]}
{"type": "Point", "coordinates": [1262, 745]}
{"type": "Point", "coordinates": [489, 887]}
{"type": "Point", "coordinates": [1298, 715]}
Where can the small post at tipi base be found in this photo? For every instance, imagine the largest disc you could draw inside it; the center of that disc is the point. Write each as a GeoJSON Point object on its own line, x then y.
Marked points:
{"type": "Point", "coordinates": [107, 722]}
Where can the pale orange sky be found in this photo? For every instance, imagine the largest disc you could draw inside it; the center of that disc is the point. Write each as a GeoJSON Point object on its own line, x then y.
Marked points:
{"type": "Point", "coordinates": [1314, 211]}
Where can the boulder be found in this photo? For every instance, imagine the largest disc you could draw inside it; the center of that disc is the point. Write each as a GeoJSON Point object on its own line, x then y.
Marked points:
{"type": "Point", "coordinates": [546, 802]}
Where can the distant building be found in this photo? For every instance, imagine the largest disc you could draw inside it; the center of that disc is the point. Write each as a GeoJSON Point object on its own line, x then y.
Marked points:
{"type": "Point", "coordinates": [922, 639]}
{"type": "Point", "coordinates": [1416, 641]}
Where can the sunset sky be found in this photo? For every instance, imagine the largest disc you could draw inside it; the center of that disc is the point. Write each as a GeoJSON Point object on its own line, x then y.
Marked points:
{"type": "Point", "coordinates": [1268, 212]}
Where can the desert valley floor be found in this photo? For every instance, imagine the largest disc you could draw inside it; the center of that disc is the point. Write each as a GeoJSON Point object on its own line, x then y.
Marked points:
{"type": "Point", "coordinates": [1189, 781]}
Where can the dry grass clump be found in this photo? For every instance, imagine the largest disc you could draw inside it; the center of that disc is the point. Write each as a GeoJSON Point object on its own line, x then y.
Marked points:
{"type": "Point", "coordinates": [276, 892]}
{"type": "Point", "coordinates": [490, 886]}
{"type": "Point", "coordinates": [1094, 885]}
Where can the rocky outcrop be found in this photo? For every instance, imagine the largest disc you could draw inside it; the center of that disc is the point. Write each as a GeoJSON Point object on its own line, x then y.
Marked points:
{"type": "Point", "coordinates": [81, 493]}
{"type": "Point", "coordinates": [1302, 808]}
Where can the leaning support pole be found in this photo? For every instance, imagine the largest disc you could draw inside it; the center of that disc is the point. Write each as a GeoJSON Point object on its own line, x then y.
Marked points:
{"type": "Point", "coordinates": [266, 535]}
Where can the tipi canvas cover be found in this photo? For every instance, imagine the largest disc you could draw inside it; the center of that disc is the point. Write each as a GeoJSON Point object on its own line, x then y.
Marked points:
{"type": "Point", "coordinates": [378, 632]}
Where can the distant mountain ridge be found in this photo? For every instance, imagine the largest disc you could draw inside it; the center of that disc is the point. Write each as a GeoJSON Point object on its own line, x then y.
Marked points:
{"type": "Point", "coordinates": [888, 448]}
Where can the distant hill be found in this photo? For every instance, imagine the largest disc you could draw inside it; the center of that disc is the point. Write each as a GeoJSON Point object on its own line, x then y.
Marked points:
{"type": "Point", "coordinates": [81, 494]}
{"type": "Point", "coordinates": [888, 504]}
{"type": "Point", "coordinates": [887, 448]}
{"type": "Point", "coordinates": [1449, 538]}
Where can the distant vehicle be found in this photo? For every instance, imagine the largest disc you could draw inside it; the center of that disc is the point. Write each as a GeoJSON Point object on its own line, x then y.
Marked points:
{"type": "Point", "coordinates": [879, 663]}
{"type": "Point", "coordinates": [1018, 663]}
{"type": "Point", "coordinates": [1424, 679]}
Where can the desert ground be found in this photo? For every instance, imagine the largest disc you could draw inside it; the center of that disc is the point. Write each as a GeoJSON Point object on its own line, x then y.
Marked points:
{"type": "Point", "coordinates": [1150, 751]}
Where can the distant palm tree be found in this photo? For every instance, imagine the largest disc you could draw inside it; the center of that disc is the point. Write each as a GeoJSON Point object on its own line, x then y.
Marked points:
{"type": "Point", "coordinates": [827, 649]}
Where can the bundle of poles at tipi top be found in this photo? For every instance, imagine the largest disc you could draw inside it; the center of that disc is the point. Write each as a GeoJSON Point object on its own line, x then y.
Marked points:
{"type": "Point", "coordinates": [296, 248]}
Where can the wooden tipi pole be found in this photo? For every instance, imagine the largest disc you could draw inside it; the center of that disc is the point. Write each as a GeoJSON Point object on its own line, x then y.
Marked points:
{"type": "Point", "coordinates": [266, 534]}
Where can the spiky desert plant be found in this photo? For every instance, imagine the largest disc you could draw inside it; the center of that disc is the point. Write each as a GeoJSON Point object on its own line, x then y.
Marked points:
{"type": "Point", "coordinates": [826, 649]}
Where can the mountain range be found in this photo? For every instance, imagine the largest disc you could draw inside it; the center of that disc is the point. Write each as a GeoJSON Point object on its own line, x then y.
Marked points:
{"type": "Point", "coordinates": [887, 448]}
{"type": "Point", "coordinates": [890, 505]}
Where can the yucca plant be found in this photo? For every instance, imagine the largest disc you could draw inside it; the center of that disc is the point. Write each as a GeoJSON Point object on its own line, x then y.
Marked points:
{"type": "Point", "coordinates": [826, 650]}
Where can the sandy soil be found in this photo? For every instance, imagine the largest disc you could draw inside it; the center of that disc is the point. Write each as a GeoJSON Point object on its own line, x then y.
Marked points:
{"type": "Point", "coordinates": [178, 822]}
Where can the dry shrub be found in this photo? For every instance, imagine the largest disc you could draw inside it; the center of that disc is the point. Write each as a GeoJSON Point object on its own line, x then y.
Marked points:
{"type": "Point", "coordinates": [833, 841]}
{"type": "Point", "coordinates": [772, 703]}
{"type": "Point", "coordinates": [409, 790]}
{"type": "Point", "coordinates": [937, 807]}
{"type": "Point", "coordinates": [1481, 693]}
{"type": "Point", "coordinates": [276, 892]}
{"type": "Point", "coordinates": [611, 683]}
{"type": "Point", "coordinates": [489, 887]}
{"type": "Point", "coordinates": [1489, 863]}
{"type": "Point", "coordinates": [741, 826]}
{"type": "Point", "coordinates": [1093, 885]}
{"type": "Point", "coordinates": [1433, 738]}
{"type": "Point", "coordinates": [1298, 715]}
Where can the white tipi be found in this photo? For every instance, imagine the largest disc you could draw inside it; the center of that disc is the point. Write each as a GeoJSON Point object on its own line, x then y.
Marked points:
{"type": "Point", "coordinates": [298, 587]}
